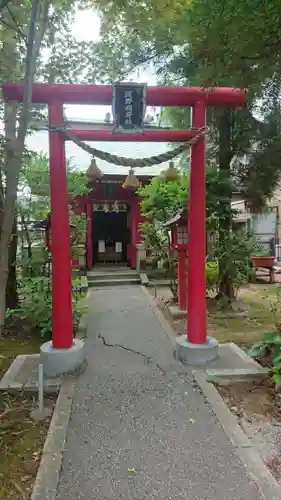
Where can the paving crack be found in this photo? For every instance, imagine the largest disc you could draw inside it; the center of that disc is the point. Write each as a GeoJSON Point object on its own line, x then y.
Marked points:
{"type": "Point", "coordinates": [148, 359]}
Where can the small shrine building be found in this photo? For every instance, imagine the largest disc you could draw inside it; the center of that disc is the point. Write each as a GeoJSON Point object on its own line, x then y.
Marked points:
{"type": "Point", "coordinates": [113, 220]}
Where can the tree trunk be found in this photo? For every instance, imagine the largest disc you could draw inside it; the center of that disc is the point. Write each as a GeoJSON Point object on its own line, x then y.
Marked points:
{"type": "Point", "coordinates": [14, 146]}
{"type": "Point", "coordinates": [226, 288]}
{"type": "Point", "coordinates": [26, 234]}
{"type": "Point", "coordinates": [12, 298]}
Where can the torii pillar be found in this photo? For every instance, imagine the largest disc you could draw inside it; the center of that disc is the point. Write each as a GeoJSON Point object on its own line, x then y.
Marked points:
{"type": "Point", "coordinates": [195, 347]}
{"type": "Point", "coordinates": [63, 354]}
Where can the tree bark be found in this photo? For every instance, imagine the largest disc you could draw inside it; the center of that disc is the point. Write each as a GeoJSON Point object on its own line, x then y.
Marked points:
{"type": "Point", "coordinates": [12, 298]}
{"type": "Point", "coordinates": [26, 234]}
{"type": "Point", "coordinates": [226, 287]}
{"type": "Point", "coordinates": [14, 146]}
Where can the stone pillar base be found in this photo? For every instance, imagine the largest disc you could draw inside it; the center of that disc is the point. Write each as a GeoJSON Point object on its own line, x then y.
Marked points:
{"type": "Point", "coordinates": [196, 354]}
{"type": "Point", "coordinates": [57, 362]}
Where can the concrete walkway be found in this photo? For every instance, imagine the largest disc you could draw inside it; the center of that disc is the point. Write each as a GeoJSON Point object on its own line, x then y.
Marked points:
{"type": "Point", "coordinates": [140, 428]}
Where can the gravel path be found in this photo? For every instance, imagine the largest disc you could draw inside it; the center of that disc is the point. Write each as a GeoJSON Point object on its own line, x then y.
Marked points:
{"type": "Point", "coordinates": [140, 428]}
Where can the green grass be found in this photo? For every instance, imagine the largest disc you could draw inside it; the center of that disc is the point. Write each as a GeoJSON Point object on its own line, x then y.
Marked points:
{"type": "Point", "coordinates": [246, 330]}
{"type": "Point", "coordinates": [16, 340]}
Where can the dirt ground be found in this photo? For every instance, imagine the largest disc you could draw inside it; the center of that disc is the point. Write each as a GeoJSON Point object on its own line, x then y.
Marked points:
{"type": "Point", "coordinates": [21, 442]}
{"type": "Point", "coordinates": [256, 407]}
{"type": "Point", "coordinates": [21, 439]}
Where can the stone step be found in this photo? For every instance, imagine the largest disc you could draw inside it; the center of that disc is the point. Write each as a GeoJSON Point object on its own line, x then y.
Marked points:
{"type": "Point", "coordinates": [114, 281]}
{"type": "Point", "coordinates": [92, 276]}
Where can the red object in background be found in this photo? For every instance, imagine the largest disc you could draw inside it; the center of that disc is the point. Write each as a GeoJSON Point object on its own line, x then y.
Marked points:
{"type": "Point", "coordinates": [89, 233]}
{"type": "Point", "coordinates": [182, 280]}
{"type": "Point", "coordinates": [263, 261]}
{"type": "Point", "coordinates": [179, 240]}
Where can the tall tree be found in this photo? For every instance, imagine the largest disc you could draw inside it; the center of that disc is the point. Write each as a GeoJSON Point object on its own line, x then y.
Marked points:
{"type": "Point", "coordinates": [207, 43]}
{"type": "Point", "coordinates": [27, 29]}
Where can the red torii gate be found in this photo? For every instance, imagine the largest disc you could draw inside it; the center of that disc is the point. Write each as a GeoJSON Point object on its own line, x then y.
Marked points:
{"type": "Point", "coordinates": [55, 96]}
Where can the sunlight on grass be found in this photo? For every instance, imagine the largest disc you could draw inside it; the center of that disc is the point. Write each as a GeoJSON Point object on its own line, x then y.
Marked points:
{"type": "Point", "coordinates": [11, 347]}
{"type": "Point", "coordinates": [245, 331]}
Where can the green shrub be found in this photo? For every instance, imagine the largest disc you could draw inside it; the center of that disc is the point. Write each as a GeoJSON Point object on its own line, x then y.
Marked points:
{"type": "Point", "coordinates": [37, 265]}
{"type": "Point", "coordinates": [270, 345]}
{"type": "Point", "coordinates": [212, 275]}
{"type": "Point", "coordinates": [36, 305]}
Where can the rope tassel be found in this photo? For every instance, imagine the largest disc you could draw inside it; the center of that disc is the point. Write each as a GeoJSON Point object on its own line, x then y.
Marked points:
{"type": "Point", "coordinates": [171, 174]}
{"type": "Point", "coordinates": [93, 173]}
{"type": "Point", "coordinates": [131, 181]}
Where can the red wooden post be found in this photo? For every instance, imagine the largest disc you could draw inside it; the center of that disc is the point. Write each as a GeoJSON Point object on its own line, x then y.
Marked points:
{"type": "Point", "coordinates": [182, 279]}
{"type": "Point", "coordinates": [196, 309]}
{"type": "Point", "coordinates": [89, 241]}
{"type": "Point", "coordinates": [133, 242]}
{"type": "Point", "coordinates": [62, 336]}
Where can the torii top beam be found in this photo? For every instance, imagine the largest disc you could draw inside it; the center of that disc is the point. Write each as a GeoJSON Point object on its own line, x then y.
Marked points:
{"type": "Point", "coordinates": [102, 94]}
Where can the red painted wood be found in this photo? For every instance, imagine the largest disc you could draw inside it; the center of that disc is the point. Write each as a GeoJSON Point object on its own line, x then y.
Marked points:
{"type": "Point", "coordinates": [62, 331]}
{"type": "Point", "coordinates": [146, 136]}
{"type": "Point", "coordinates": [102, 94]}
{"type": "Point", "coordinates": [266, 261]}
{"type": "Point", "coordinates": [89, 239]}
{"type": "Point", "coordinates": [182, 289]}
{"type": "Point", "coordinates": [196, 299]}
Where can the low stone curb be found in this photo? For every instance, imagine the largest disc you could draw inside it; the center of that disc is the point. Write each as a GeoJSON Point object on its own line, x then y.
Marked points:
{"type": "Point", "coordinates": [259, 473]}
{"type": "Point", "coordinates": [144, 279]}
{"type": "Point", "coordinates": [224, 376]}
{"type": "Point", "coordinates": [176, 312]}
{"type": "Point", "coordinates": [14, 368]}
{"type": "Point", "coordinates": [48, 475]}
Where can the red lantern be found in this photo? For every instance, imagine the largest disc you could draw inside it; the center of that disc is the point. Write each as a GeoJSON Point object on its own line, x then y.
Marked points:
{"type": "Point", "coordinates": [179, 240]}
{"type": "Point", "coordinates": [179, 236]}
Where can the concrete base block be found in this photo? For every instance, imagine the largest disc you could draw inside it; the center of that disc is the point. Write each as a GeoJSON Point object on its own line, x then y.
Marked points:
{"type": "Point", "coordinates": [62, 361]}
{"type": "Point", "coordinates": [196, 354]}
{"type": "Point", "coordinates": [176, 312]}
{"type": "Point", "coordinates": [39, 415]}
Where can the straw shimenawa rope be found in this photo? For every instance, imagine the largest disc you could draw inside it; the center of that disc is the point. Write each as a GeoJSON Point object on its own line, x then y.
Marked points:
{"type": "Point", "coordinates": [130, 162]}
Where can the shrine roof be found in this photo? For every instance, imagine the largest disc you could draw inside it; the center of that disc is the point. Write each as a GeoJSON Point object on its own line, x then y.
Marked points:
{"type": "Point", "coordinates": [177, 218]}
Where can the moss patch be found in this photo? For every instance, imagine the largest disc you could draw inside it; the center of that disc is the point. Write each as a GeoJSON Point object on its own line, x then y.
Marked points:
{"type": "Point", "coordinates": [247, 330]}
{"type": "Point", "coordinates": [21, 439]}
{"type": "Point", "coordinates": [243, 330]}
{"type": "Point", "coordinates": [17, 339]}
